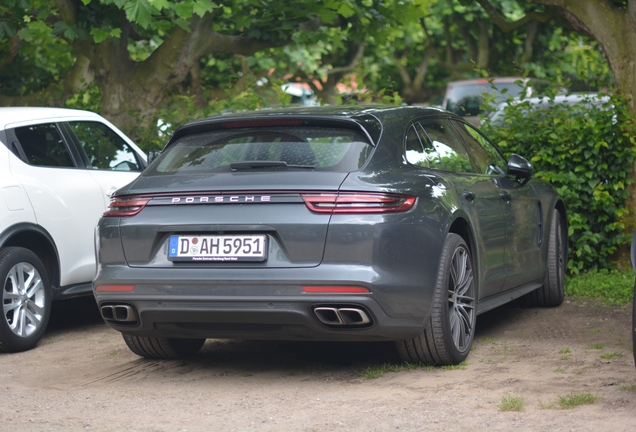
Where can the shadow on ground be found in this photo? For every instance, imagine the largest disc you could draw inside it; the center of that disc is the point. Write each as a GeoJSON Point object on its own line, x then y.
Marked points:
{"type": "Point", "coordinates": [74, 313]}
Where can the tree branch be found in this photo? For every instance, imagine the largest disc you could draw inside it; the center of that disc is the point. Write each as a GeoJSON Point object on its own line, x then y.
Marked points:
{"type": "Point", "coordinates": [68, 10]}
{"type": "Point", "coordinates": [15, 44]}
{"type": "Point", "coordinates": [469, 41]}
{"type": "Point", "coordinates": [352, 65]}
{"type": "Point", "coordinates": [533, 27]}
{"type": "Point", "coordinates": [422, 69]}
{"type": "Point", "coordinates": [507, 26]}
{"type": "Point", "coordinates": [404, 74]}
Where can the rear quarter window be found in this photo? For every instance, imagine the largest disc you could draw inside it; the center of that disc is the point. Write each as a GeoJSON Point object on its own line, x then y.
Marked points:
{"type": "Point", "coordinates": [317, 148]}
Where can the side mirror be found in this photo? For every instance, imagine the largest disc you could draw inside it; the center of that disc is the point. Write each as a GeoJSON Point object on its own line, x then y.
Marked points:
{"type": "Point", "coordinates": [519, 167]}
{"type": "Point", "coordinates": [152, 154]}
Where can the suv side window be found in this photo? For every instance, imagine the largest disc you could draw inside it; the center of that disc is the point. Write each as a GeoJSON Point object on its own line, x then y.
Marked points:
{"type": "Point", "coordinates": [486, 156]}
{"type": "Point", "coordinates": [105, 149]}
{"type": "Point", "coordinates": [43, 145]}
{"type": "Point", "coordinates": [448, 146]}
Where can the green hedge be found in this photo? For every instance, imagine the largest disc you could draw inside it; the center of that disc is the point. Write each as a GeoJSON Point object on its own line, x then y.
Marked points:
{"type": "Point", "coordinates": [586, 151]}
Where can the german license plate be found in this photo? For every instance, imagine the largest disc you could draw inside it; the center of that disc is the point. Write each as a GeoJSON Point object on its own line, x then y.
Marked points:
{"type": "Point", "coordinates": [218, 248]}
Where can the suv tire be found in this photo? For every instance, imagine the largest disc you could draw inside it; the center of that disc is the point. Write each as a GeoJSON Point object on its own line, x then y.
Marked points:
{"type": "Point", "coordinates": [26, 299]}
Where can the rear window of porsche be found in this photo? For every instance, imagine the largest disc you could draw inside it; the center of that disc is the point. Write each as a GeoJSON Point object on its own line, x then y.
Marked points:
{"type": "Point", "coordinates": [271, 148]}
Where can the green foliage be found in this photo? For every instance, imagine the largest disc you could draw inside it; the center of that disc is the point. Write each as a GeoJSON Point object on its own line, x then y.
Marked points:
{"type": "Point", "coordinates": [586, 151]}
{"type": "Point", "coordinates": [574, 399]}
{"type": "Point", "coordinates": [612, 287]}
{"type": "Point", "coordinates": [570, 59]}
{"type": "Point", "coordinates": [511, 402]}
{"type": "Point", "coordinates": [42, 59]}
{"type": "Point", "coordinates": [243, 95]}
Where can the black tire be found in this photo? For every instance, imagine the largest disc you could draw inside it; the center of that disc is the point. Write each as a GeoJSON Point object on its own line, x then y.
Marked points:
{"type": "Point", "coordinates": [552, 292]}
{"type": "Point", "coordinates": [163, 348]}
{"type": "Point", "coordinates": [26, 299]}
{"type": "Point", "coordinates": [449, 331]}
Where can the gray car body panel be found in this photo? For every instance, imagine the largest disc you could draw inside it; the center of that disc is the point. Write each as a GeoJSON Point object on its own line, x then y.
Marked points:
{"type": "Point", "coordinates": [395, 256]}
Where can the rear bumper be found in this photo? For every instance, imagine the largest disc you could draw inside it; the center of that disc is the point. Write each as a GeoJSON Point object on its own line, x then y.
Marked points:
{"type": "Point", "coordinates": [257, 304]}
{"type": "Point", "coordinates": [284, 318]}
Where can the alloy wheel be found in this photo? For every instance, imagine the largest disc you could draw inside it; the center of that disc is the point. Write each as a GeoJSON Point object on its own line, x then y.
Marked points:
{"type": "Point", "coordinates": [461, 299]}
{"type": "Point", "coordinates": [23, 299]}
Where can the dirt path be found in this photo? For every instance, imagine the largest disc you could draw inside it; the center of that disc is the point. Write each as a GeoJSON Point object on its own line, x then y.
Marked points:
{"type": "Point", "coordinates": [83, 377]}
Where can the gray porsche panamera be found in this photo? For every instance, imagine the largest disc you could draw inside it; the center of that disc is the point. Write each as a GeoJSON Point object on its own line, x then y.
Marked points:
{"type": "Point", "coordinates": [327, 224]}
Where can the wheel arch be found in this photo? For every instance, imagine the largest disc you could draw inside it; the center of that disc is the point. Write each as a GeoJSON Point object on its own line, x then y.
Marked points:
{"type": "Point", "coordinates": [462, 228]}
{"type": "Point", "coordinates": [36, 239]}
{"type": "Point", "coordinates": [560, 207]}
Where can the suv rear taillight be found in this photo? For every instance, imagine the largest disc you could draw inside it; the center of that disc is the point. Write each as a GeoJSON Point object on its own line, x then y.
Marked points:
{"type": "Point", "coordinates": [125, 207]}
{"type": "Point", "coordinates": [358, 202]}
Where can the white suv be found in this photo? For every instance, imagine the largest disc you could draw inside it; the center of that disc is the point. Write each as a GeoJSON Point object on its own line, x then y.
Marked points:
{"type": "Point", "coordinates": [58, 168]}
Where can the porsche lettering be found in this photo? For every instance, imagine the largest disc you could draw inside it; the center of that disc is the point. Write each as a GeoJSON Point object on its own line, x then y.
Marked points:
{"type": "Point", "coordinates": [221, 199]}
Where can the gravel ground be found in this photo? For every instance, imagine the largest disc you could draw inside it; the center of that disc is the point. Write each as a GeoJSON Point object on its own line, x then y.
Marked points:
{"type": "Point", "coordinates": [83, 377]}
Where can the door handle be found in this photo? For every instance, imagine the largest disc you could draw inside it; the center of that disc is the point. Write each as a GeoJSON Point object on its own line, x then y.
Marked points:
{"type": "Point", "coordinates": [469, 196]}
{"type": "Point", "coordinates": [505, 196]}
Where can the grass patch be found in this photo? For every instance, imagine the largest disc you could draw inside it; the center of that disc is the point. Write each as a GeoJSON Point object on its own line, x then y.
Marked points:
{"type": "Point", "coordinates": [612, 287]}
{"type": "Point", "coordinates": [461, 366]}
{"type": "Point", "coordinates": [564, 351]}
{"type": "Point", "coordinates": [596, 331]}
{"type": "Point", "coordinates": [573, 399]}
{"type": "Point", "coordinates": [596, 346]}
{"type": "Point", "coordinates": [372, 372]}
{"type": "Point", "coordinates": [511, 402]}
{"type": "Point", "coordinates": [565, 357]}
{"type": "Point", "coordinates": [608, 356]}
{"type": "Point", "coordinates": [629, 388]}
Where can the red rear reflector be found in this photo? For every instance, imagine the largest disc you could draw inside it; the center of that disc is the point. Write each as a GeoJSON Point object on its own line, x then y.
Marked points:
{"type": "Point", "coordinates": [263, 123]}
{"type": "Point", "coordinates": [125, 207]}
{"type": "Point", "coordinates": [358, 203]}
{"type": "Point", "coordinates": [115, 288]}
{"type": "Point", "coordinates": [335, 289]}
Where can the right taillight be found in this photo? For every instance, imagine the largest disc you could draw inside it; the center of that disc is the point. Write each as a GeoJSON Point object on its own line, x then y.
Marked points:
{"type": "Point", "coordinates": [358, 202]}
{"type": "Point", "coordinates": [125, 206]}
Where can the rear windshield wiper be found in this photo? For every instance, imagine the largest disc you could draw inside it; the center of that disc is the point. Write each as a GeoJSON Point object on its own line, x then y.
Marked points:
{"type": "Point", "coordinates": [245, 165]}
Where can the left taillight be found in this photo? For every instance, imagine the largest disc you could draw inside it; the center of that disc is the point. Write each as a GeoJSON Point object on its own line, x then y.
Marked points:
{"type": "Point", "coordinates": [358, 202]}
{"type": "Point", "coordinates": [125, 206]}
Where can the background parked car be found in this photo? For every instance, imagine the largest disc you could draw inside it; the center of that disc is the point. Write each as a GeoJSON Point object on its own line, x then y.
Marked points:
{"type": "Point", "coordinates": [301, 94]}
{"type": "Point", "coordinates": [464, 98]}
{"type": "Point", "coordinates": [58, 169]}
{"type": "Point", "coordinates": [351, 223]}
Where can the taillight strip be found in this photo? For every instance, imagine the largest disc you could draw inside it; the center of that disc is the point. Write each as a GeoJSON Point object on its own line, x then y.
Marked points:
{"type": "Point", "coordinates": [358, 202]}
{"type": "Point", "coordinates": [125, 207]}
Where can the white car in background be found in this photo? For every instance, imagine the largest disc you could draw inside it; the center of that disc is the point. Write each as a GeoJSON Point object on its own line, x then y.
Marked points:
{"type": "Point", "coordinates": [58, 169]}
